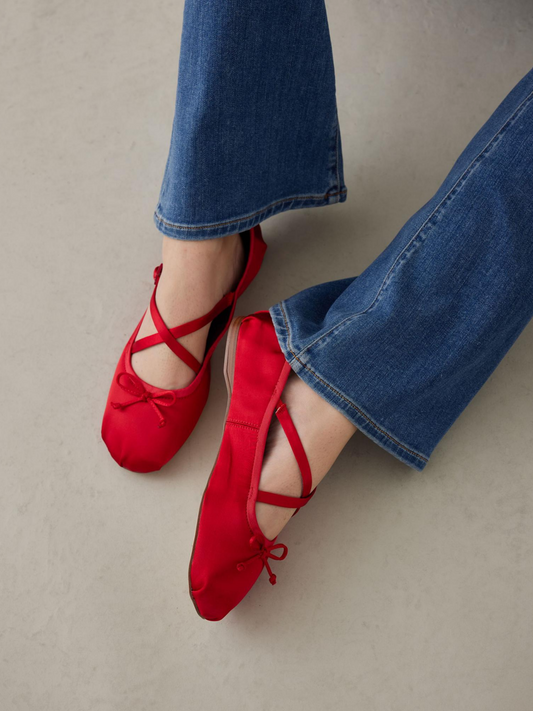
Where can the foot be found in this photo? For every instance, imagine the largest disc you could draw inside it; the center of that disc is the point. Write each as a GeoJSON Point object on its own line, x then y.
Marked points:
{"type": "Point", "coordinates": [196, 275]}
{"type": "Point", "coordinates": [323, 431]}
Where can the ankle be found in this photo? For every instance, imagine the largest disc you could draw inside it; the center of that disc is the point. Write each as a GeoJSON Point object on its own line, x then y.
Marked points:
{"type": "Point", "coordinates": [324, 430]}
{"type": "Point", "coordinates": [214, 265]}
{"type": "Point", "coordinates": [202, 252]}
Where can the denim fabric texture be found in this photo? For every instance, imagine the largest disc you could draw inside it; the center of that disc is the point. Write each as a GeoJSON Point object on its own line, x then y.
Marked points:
{"type": "Point", "coordinates": [402, 349]}
{"type": "Point", "coordinates": [255, 129]}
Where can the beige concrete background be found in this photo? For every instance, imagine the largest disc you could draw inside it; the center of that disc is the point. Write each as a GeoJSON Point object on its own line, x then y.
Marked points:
{"type": "Point", "coordinates": [402, 591]}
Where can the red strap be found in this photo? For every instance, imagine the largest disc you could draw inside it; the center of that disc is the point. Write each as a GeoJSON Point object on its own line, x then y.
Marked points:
{"type": "Point", "coordinates": [171, 342]}
{"type": "Point", "coordinates": [186, 328]}
{"type": "Point", "coordinates": [169, 336]}
{"type": "Point", "coordinates": [296, 445]}
{"type": "Point", "coordinates": [287, 502]}
{"type": "Point", "coordinates": [291, 502]}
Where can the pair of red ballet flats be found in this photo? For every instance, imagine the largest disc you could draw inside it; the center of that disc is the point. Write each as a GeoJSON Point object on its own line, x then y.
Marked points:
{"type": "Point", "coordinates": [145, 426]}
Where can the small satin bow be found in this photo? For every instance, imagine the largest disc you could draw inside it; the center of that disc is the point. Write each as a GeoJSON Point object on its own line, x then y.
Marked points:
{"type": "Point", "coordinates": [264, 552]}
{"type": "Point", "coordinates": [132, 385]}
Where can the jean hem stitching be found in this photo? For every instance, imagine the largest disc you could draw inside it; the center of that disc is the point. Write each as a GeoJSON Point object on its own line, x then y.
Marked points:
{"type": "Point", "coordinates": [343, 397]}
{"type": "Point", "coordinates": [177, 226]}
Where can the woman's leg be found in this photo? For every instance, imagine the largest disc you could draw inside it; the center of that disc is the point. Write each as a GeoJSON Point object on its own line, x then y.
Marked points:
{"type": "Point", "coordinates": [255, 128]}
{"type": "Point", "coordinates": [401, 350]}
{"type": "Point", "coordinates": [255, 133]}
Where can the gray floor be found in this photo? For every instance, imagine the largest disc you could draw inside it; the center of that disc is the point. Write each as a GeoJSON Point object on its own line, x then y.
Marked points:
{"type": "Point", "coordinates": [402, 590]}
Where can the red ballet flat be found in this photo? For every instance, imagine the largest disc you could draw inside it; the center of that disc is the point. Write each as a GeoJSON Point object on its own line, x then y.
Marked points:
{"type": "Point", "coordinates": [230, 550]}
{"type": "Point", "coordinates": [144, 426]}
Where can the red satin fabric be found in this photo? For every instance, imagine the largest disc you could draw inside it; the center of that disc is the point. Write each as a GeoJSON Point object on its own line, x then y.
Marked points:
{"type": "Point", "coordinates": [144, 426]}
{"type": "Point", "coordinates": [230, 549]}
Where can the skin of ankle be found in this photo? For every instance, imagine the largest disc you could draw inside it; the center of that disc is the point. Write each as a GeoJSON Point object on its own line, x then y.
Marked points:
{"type": "Point", "coordinates": [324, 432]}
{"type": "Point", "coordinates": [195, 276]}
{"type": "Point", "coordinates": [212, 262]}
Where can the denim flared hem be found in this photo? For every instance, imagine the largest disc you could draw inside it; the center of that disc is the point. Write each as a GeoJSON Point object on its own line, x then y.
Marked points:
{"type": "Point", "coordinates": [311, 373]}
{"type": "Point", "coordinates": [245, 222]}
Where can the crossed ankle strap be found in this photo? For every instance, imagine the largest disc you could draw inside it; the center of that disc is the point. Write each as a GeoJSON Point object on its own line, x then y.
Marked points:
{"type": "Point", "coordinates": [291, 502]}
{"type": "Point", "coordinates": [169, 335]}
{"type": "Point", "coordinates": [265, 548]}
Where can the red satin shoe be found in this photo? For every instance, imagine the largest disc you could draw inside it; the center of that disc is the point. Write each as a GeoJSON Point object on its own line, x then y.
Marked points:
{"type": "Point", "coordinates": [230, 550]}
{"type": "Point", "coordinates": [144, 426]}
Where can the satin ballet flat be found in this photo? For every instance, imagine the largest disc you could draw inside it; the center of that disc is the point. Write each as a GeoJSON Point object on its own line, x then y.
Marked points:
{"type": "Point", "coordinates": [230, 550]}
{"type": "Point", "coordinates": [145, 426]}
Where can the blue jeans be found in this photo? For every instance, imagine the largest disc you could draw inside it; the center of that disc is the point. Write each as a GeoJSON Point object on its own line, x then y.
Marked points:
{"type": "Point", "coordinates": [403, 348]}
{"type": "Point", "coordinates": [255, 128]}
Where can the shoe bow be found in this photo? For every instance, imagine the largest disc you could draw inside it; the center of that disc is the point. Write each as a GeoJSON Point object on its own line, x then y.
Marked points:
{"type": "Point", "coordinates": [132, 385]}
{"type": "Point", "coordinates": [264, 552]}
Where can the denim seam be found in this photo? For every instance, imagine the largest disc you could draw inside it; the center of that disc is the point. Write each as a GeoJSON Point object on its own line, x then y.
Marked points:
{"type": "Point", "coordinates": [177, 226]}
{"type": "Point", "coordinates": [446, 199]}
{"type": "Point", "coordinates": [337, 148]}
{"type": "Point", "coordinates": [343, 397]}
